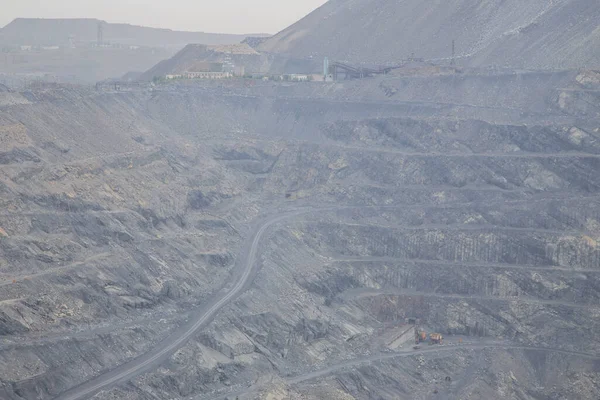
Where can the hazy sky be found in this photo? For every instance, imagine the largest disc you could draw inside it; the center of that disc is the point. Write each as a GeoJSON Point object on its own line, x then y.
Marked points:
{"type": "Point", "coordinates": [226, 16]}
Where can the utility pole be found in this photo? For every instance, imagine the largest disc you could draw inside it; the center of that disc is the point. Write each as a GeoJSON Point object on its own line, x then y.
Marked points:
{"type": "Point", "coordinates": [453, 62]}
{"type": "Point", "coordinates": [100, 33]}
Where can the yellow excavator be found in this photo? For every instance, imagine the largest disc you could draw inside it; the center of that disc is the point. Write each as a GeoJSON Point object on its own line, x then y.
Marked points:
{"type": "Point", "coordinates": [436, 338]}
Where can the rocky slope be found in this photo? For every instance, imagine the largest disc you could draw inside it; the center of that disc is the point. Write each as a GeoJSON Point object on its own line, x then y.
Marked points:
{"type": "Point", "coordinates": [125, 212]}
{"type": "Point", "coordinates": [534, 34]}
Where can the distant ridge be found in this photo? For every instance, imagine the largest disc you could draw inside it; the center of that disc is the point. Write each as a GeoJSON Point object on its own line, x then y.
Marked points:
{"type": "Point", "coordinates": [41, 32]}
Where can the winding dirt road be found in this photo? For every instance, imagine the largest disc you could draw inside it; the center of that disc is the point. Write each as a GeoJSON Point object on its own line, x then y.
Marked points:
{"type": "Point", "coordinates": [178, 338]}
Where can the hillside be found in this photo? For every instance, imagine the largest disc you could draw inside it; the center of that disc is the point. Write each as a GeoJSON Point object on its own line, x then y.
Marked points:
{"type": "Point", "coordinates": [79, 62]}
{"type": "Point", "coordinates": [193, 53]}
{"type": "Point", "coordinates": [25, 31]}
{"type": "Point", "coordinates": [531, 34]}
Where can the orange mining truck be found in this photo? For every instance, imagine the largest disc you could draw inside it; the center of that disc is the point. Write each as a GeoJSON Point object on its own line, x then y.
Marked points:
{"type": "Point", "coordinates": [420, 336]}
{"type": "Point", "coordinates": [436, 338]}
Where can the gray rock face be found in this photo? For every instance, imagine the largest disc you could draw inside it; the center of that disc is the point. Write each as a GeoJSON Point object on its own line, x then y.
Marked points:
{"type": "Point", "coordinates": [481, 221]}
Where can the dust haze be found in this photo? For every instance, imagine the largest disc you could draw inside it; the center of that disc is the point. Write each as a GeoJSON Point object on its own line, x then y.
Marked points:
{"type": "Point", "coordinates": [381, 199]}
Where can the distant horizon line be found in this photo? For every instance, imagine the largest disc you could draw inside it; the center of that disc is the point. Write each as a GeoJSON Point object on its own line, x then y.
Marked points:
{"type": "Point", "coordinates": [251, 34]}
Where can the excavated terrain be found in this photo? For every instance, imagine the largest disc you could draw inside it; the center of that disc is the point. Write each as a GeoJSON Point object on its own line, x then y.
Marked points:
{"type": "Point", "coordinates": [355, 209]}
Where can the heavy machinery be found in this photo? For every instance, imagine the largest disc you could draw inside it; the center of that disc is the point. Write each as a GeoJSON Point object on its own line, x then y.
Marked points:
{"type": "Point", "coordinates": [436, 338]}
{"type": "Point", "coordinates": [420, 336]}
